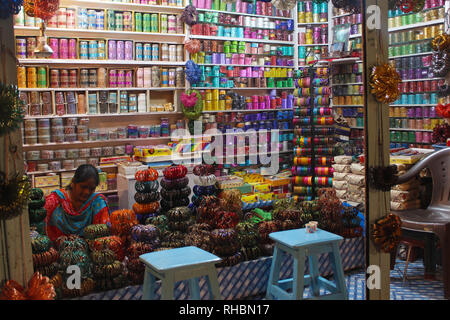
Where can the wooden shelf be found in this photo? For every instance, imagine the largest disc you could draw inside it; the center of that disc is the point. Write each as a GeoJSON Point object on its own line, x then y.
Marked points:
{"type": "Point", "coordinates": [246, 14]}
{"type": "Point", "coordinates": [417, 25]}
{"type": "Point", "coordinates": [246, 110]}
{"type": "Point", "coordinates": [99, 62]}
{"type": "Point", "coordinates": [124, 114]}
{"type": "Point", "coordinates": [103, 89]}
{"type": "Point", "coordinates": [288, 43]}
{"type": "Point", "coordinates": [126, 6]}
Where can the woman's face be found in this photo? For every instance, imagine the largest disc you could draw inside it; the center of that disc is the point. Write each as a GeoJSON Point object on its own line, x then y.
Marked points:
{"type": "Point", "coordinates": [82, 191]}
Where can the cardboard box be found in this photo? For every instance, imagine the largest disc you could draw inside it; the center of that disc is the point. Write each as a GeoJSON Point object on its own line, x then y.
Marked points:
{"type": "Point", "coordinates": [410, 159]}
{"type": "Point", "coordinates": [46, 181]}
{"type": "Point", "coordinates": [276, 181]}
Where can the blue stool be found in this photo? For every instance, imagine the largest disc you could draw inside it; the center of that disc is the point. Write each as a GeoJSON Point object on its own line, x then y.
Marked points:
{"type": "Point", "coordinates": [300, 245]}
{"type": "Point", "coordinates": [172, 265]}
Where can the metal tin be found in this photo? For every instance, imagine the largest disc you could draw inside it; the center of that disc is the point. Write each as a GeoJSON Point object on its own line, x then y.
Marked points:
{"type": "Point", "coordinates": [91, 19]}
{"type": "Point", "coordinates": [31, 77]}
{"type": "Point", "coordinates": [147, 52]}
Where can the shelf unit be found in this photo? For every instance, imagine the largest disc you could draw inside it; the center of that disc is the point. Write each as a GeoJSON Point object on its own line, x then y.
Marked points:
{"type": "Point", "coordinates": [154, 96]}
{"type": "Point", "coordinates": [415, 135]}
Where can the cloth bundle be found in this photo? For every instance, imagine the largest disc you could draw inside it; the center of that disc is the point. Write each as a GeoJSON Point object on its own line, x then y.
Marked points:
{"type": "Point", "coordinates": [36, 210]}
{"type": "Point", "coordinates": [405, 196]}
{"type": "Point", "coordinates": [356, 183]}
{"type": "Point", "coordinates": [145, 239]}
{"type": "Point", "coordinates": [341, 168]}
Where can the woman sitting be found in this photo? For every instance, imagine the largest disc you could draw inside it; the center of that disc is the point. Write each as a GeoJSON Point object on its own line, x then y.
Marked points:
{"type": "Point", "coordinates": [71, 209]}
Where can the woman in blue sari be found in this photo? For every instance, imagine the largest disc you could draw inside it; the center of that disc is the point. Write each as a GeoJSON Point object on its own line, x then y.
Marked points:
{"type": "Point", "coordinates": [72, 209]}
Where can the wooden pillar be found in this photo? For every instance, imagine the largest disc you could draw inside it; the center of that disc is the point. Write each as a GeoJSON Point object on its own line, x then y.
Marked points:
{"type": "Point", "coordinates": [376, 123]}
{"type": "Point", "coordinates": [15, 245]}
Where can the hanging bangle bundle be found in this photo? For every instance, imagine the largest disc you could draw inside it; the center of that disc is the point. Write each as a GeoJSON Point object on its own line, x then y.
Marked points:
{"type": "Point", "coordinates": [203, 170]}
{"type": "Point", "coordinates": [146, 175]}
{"type": "Point", "coordinates": [208, 180]}
{"type": "Point", "coordinates": [146, 186]}
{"type": "Point", "coordinates": [174, 184]}
{"type": "Point", "coordinates": [144, 233]}
{"type": "Point", "coordinates": [45, 258]}
{"type": "Point", "coordinates": [145, 208]}
{"type": "Point", "coordinates": [175, 172]}
{"type": "Point", "coordinates": [146, 197]}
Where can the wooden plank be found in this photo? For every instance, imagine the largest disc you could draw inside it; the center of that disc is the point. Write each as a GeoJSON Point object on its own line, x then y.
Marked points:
{"type": "Point", "coordinates": [15, 249]}
{"type": "Point", "coordinates": [376, 122]}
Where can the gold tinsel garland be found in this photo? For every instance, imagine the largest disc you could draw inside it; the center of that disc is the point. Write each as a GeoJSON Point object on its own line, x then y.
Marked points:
{"type": "Point", "coordinates": [384, 81]}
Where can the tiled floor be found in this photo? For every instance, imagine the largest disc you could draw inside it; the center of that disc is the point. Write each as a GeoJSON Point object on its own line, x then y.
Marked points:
{"type": "Point", "coordinates": [415, 288]}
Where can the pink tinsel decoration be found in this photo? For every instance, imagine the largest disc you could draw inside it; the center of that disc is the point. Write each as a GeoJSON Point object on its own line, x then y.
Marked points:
{"type": "Point", "coordinates": [189, 101]}
{"type": "Point", "coordinates": [192, 45]}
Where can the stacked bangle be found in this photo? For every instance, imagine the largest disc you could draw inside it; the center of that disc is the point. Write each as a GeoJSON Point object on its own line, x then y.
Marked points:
{"type": "Point", "coordinates": [104, 257]}
{"type": "Point", "coordinates": [146, 186]}
{"type": "Point", "coordinates": [173, 195]}
{"type": "Point", "coordinates": [45, 258]}
{"type": "Point", "coordinates": [48, 270]}
{"type": "Point", "coordinates": [204, 190]}
{"type": "Point", "coordinates": [37, 215]}
{"type": "Point", "coordinates": [94, 231]}
{"type": "Point", "coordinates": [203, 169]}
{"type": "Point", "coordinates": [145, 208]}
{"type": "Point", "coordinates": [179, 214]}
{"type": "Point", "coordinates": [108, 271]}
{"type": "Point", "coordinates": [146, 175]}
{"type": "Point", "coordinates": [175, 172]}
{"type": "Point", "coordinates": [167, 205]}
{"type": "Point", "coordinates": [146, 197]}
{"type": "Point", "coordinates": [231, 260]}
{"type": "Point", "coordinates": [174, 184]}
{"type": "Point", "coordinates": [144, 233]}
{"type": "Point", "coordinates": [208, 180]}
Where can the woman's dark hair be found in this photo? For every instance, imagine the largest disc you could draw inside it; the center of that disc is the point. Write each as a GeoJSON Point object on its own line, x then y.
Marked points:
{"type": "Point", "coordinates": [85, 172]}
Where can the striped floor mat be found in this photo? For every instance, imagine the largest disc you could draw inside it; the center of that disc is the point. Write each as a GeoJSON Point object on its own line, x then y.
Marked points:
{"type": "Point", "coordinates": [414, 288]}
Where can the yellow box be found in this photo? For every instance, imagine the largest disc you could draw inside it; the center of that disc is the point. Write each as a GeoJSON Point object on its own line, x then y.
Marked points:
{"type": "Point", "coordinates": [276, 181]}
{"type": "Point", "coordinates": [48, 190]}
{"type": "Point", "coordinates": [46, 181]}
{"type": "Point", "coordinates": [262, 188]}
{"type": "Point", "coordinates": [412, 158]}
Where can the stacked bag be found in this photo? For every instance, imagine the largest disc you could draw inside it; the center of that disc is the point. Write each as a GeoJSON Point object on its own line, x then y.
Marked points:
{"type": "Point", "coordinates": [356, 183]}
{"type": "Point", "coordinates": [174, 188]}
{"type": "Point", "coordinates": [74, 250]}
{"type": "Point", "coordinates": [45, 257]}
{"type": "Point", "coordinates": [405, 196]}
{"type": "Point", "coordinates": [36, 210]}
{"type": "Point", "coordinates": [341, 170]}
{"type": "Point", "coordinates": [144, 239]}
{"type": "Point", "coordinates": [205, 184]}
{"type": "Point", "coordinates": [147, 195]}
{"type": "Point", "coordinates": [107, 269]}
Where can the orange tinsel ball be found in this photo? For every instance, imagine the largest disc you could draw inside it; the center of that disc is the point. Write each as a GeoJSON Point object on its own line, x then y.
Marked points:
{"type": "Point", "coordinates": [384, 81]}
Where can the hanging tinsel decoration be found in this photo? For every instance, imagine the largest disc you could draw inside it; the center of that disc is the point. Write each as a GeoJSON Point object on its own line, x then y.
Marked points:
{"type": "Point", "coordinates": [14, 195]}
{"type": "Point", "coordinates": [384, 81]}
{"type": "Point", "coordinates": [284, 4]}
{"type": "Point", "coordinates": [45, 9]}
{"type": "Point", "coordinates": [386, 233]}
{"type": "Point", "coordinates": [9, 7]}
{"type": "Point", "coordinates": [12, 111]}
{"type": "Point", "coordinates": [441, 42]}
{"type": "Point", "coordinates": [189, 15]}
{"type": "Point", "coordinates": [440, 61]}
{"type": "Point", "coordinates": [408, 6]}
{"type": "Point", "coordinates": [193, 72]}
{"type": "Point", "coordinates": [28, 7]}
{"type": "Point", "coordinates": [191, 104]}
{"type": "Point", "coordinates": [192, 45]}
{"type": "Point", "coordinates": [39, 288]}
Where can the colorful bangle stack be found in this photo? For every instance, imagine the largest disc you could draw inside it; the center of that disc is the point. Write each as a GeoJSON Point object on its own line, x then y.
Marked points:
{"type": "Point", "coordinates": [179, 219]}
{"type": "Point", "coordinates": [205, 181]}
{"type": "Point", "coordinates": [36, 210]}
{"type": "Point", "coordinates": [123, 220]}
{"type": "Point", "coordinates": [145, 239]}
{"type": "Point", "coordinates": [226, 245]}
{"type": "Point", "coordinates": [147, 195]}
{"type": "Point", "coordinates": [174, 189]}
{"type": "Point", "coordinates": [199, 235]}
